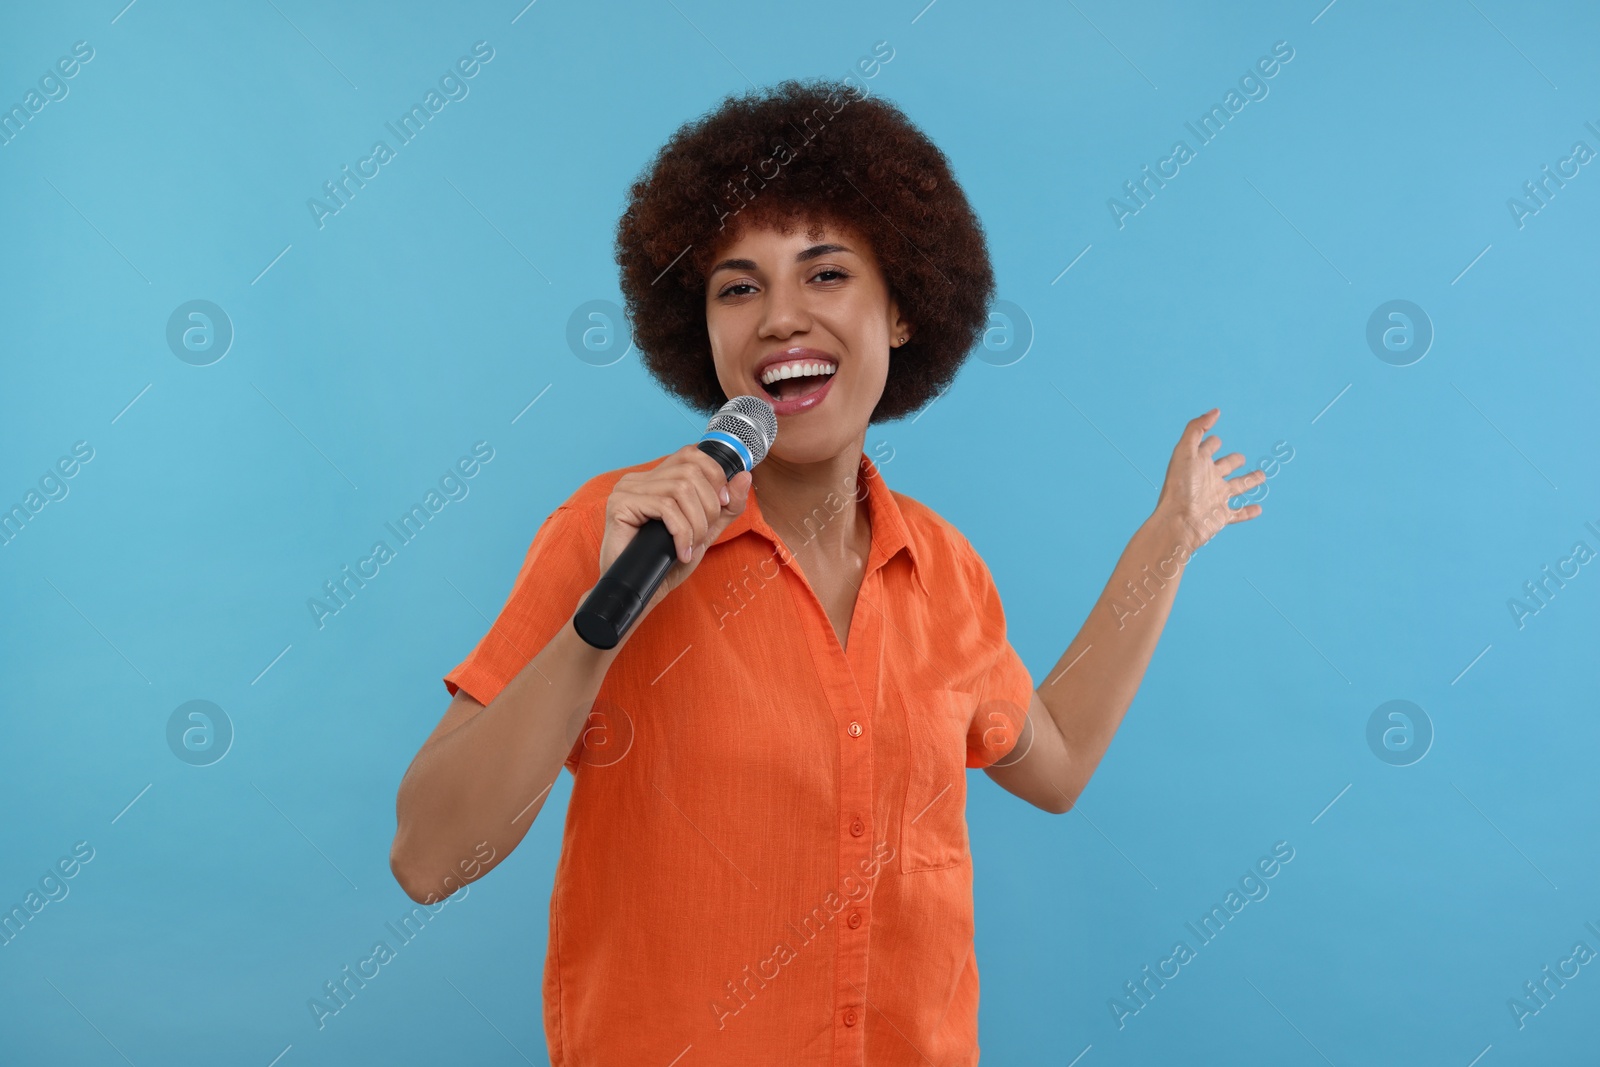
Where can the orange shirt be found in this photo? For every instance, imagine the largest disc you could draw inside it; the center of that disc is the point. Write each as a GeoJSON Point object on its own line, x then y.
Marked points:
{"type": "Point", "coordinates": [765, 856]}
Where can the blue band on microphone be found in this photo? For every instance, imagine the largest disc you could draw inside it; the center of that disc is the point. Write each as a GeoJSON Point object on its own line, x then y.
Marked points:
{"type": "Point", "coordinates": [733, 443]}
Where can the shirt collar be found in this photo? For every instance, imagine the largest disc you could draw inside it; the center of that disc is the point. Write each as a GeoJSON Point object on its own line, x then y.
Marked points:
{"type": "Point", "coordinates": [890, 534]}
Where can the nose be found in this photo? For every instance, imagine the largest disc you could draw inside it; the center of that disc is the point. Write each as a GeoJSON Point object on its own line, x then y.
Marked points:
{"type": "Point", "coordinates": [784, 311]}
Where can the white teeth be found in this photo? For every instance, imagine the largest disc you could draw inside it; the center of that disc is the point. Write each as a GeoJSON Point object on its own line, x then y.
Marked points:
{"type": "Point", "coordinates": [796, 370]}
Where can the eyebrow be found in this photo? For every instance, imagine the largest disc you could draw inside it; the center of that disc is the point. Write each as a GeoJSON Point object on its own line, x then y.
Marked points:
{"type": "Point", "coordinates": [800, 257]}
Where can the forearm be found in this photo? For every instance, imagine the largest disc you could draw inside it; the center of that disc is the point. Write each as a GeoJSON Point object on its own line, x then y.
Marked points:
{"type": "Point", "coordinates": [1091, 686]}
{"type": "Point", "coordinates": [485, 780]}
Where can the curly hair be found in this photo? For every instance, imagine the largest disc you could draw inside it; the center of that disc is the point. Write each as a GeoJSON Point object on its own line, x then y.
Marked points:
{"type": "Point", "coordinates": [804, 151]}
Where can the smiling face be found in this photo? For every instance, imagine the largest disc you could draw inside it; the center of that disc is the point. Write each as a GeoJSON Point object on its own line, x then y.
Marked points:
{"type": "Point", "coordinates": [805, 321]}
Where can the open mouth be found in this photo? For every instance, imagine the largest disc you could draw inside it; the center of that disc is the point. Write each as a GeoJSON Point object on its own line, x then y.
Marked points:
{"type": "Point", "coordinates": [796, 378]}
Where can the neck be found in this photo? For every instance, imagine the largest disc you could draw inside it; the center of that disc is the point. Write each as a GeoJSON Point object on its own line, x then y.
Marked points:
{"type": "Point", "coordinates": [815, 506]}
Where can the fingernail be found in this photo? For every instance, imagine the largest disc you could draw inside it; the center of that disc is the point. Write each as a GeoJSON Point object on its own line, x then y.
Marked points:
{"type": "Point", "coordinates": [722, 494]}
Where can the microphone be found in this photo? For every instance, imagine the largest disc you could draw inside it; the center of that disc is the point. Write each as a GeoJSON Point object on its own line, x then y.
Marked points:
{"type": "Point", "coordinates": [738, 437]}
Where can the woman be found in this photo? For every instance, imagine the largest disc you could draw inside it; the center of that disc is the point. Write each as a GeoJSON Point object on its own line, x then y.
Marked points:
{"type": "Point", "coordinates": [765, 856]}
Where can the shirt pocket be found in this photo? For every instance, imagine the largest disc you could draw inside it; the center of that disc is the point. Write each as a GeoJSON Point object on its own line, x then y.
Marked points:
{"type": "Point", "coordinates": [933, 822]}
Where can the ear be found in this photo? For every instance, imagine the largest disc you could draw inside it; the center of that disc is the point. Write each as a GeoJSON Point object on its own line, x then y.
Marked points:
{"type": "Point", "coordinates": [899, 326]}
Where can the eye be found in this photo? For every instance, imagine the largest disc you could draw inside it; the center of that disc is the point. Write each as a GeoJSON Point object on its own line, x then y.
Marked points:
{"type": "Point", "coordinates": [732, 289]}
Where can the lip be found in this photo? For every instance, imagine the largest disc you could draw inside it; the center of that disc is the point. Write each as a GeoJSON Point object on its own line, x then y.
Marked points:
{"type": "Point", "coordinates": [794, 353]}
{"type": "Point", "coordinates": [803, 403]}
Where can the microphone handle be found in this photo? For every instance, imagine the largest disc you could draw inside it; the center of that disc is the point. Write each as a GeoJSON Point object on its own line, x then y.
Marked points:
{"type": "Point", "coordinates": [615, 603]}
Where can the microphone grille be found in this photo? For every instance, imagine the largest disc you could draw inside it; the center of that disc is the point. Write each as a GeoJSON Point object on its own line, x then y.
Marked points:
{"type": "Point", "coordinates": [752, 421]}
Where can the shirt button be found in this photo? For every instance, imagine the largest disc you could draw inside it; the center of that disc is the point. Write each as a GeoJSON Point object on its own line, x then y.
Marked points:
{"type": "Point", "coordinates": [857, 827]}
{"type": "Point", "coordinates": [849, 1016]}
{"type": "Point", "coordinates": [854, 920]}
{"type": "Point", "coordinates": [854, 729]}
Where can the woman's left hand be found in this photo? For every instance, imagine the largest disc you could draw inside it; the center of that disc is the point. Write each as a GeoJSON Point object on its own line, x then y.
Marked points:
{"type": "Point", "coordinates": [1197, 488]}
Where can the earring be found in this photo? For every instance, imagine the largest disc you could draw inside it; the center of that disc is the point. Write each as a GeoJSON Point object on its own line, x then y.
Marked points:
{"type": "Point", "coordinates": [902, 340]}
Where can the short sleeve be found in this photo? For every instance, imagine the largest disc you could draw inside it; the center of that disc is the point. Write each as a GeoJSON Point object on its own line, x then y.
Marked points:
{"type": "Point", "coordinates": [562, 564]}
{"type": "Point", "coordinates": [1003, 686]}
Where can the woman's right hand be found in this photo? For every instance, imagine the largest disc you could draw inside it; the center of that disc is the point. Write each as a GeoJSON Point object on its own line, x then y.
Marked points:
{"type": "Point", "coordinates": [690, 494]}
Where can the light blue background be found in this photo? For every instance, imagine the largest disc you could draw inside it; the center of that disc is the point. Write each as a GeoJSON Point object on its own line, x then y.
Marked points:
{"type": "Point", "coordinates": [429, 312]}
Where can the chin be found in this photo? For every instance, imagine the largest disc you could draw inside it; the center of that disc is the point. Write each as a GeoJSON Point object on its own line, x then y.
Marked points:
{"type": "Point", "coordinates": [800, 444]}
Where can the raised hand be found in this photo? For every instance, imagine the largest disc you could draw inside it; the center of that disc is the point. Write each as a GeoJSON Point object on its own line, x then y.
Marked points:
{"type": "Point", "coordinates": [1197, 488]}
